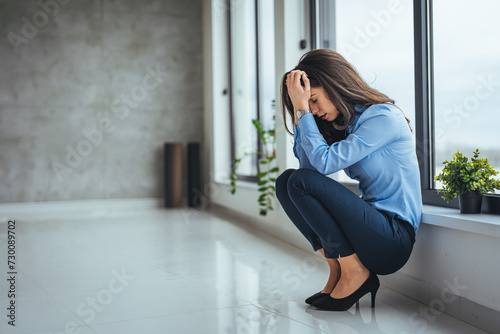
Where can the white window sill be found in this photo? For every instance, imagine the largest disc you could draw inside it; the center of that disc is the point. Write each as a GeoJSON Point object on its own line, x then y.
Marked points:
{"type": "Point", "coordinates": [483, 223]}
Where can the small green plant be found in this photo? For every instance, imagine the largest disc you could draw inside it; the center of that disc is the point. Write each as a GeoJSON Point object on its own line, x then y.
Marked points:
{"type": "Point", "coordinates": [460, 176]}
{"type": "Point", "coordinates": [268, 169]}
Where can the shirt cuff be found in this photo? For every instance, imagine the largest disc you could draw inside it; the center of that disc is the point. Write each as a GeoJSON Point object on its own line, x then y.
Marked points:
{"type": "Point", "coordinates": [307, 124]}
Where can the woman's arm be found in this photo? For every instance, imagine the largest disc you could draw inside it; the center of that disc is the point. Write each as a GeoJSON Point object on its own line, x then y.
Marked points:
{"type": "Point", "coordinates": [376, 127]}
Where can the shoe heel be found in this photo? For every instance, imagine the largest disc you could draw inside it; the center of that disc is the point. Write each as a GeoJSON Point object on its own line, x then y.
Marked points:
{"type": "Point", "coordinates": [374, 293]}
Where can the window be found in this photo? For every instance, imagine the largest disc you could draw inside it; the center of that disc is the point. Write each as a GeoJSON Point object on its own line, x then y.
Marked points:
{"type": "Point", "coordinates": [252, 77]}
{"type": "Point", "coordinates": [454, 79]}
{"type": "Point", "coordinates": [466, 79]}
{"type": "Point", "coordinates": [266, 58]}
{"type": "Point", "coordinates": [243, 83]}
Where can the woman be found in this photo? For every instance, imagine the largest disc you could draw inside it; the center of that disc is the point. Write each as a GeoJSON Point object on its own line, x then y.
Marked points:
{"type": "Point", "coordinates": [342, 123]}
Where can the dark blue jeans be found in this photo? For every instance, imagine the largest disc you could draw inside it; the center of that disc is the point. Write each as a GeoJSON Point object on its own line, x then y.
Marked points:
{"type": "Point", "coordinates": [332, 217]}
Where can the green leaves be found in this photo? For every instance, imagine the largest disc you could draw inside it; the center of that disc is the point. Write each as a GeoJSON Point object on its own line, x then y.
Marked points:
{"type": "Point", "coordinates": [460, 176]}
{"type": "Point", "coordinates": [274, 170]}
{"type": "Point", "coordinates": [260, 131]}
{"type": "Point", "coordinates": [267, 189]}
{"type": "Point", "coordinates": [261, 175]}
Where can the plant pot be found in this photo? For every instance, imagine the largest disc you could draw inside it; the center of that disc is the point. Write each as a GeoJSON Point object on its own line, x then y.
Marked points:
{"type": "Point", "coordinates": [491, 204]}
{"type": "Point", "coordinates": [470, 202]}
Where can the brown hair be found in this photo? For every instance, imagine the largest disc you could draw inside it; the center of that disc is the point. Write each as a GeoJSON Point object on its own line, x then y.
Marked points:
{"type": "Point", "coordinates": [342, 84]}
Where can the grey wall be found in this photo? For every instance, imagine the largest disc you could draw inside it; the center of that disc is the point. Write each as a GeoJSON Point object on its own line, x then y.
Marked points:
{"type": "Point", "coordinates": [82, 117]}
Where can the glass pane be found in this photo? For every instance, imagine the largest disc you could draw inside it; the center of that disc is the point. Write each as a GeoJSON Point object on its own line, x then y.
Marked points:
{"type": "Point", "coordinates": [244, 83]}
{"type": "Point", "coordinates": [376, 37]}
{"type": "Point", "coordinates": [267, 73]}
{"type": "Point", "coordinates": [326, 31]}
{"type": "Point", "coordinates": [466, 79]}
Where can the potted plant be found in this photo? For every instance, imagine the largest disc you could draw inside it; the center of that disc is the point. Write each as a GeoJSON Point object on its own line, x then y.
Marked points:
{"type": "Point", "coordinates": [468, 181]}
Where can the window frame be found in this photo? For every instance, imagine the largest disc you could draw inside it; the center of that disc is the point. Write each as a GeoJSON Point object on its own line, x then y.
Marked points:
{"type": "Point", "coordinates": [424, 102]}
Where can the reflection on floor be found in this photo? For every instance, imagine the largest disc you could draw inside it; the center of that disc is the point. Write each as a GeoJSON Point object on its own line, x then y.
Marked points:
{"type": "Point", "coordinates": [179, 271]}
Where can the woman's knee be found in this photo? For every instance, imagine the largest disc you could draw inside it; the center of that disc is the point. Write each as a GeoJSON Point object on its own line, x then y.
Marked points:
{"type": "Point", "coordinates": [304, 173]}
{"type": "Point", "coordinates": [304, 177]}
{"type": "Point", "coordinates": [282, 181]}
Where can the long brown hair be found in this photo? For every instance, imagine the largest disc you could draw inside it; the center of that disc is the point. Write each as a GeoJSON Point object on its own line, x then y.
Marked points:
{"type": "Point", "coordinates": [343, 85]}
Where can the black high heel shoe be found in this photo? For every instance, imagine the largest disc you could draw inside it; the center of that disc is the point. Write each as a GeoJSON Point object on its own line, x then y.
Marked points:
{"type": "Point", "coordinates": [343, 304]}
{"type": "Point", "coordinates": [315, 297]}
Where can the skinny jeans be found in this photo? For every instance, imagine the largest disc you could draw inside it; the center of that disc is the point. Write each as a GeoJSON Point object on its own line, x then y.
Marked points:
{"type": "Point", "coordinates": [332, 217]}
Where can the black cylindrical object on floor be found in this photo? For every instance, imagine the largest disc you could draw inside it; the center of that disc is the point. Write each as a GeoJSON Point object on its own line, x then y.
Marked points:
{"type": "Point", "coordinates": [195, 196]}
{"type": "Point", "coordinates": [173, 174]}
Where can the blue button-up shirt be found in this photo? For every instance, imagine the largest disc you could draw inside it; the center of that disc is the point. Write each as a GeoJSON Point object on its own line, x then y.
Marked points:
{"type": "Point", "coordinates": [379, 152]}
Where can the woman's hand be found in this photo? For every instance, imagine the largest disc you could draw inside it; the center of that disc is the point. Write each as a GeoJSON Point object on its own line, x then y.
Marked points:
{"type": "Point", "coordinates": [299, 95]}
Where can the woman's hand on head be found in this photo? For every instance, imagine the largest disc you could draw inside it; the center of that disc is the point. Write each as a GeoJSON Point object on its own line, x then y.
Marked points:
{"type": "Point", "coordinates": [299, 95]}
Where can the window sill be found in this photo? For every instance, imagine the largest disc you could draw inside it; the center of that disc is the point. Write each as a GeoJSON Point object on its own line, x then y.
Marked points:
{"type": "Point", "coordinates": [239, 184]}
{"type": "Point", "coordinates": [486, 224]}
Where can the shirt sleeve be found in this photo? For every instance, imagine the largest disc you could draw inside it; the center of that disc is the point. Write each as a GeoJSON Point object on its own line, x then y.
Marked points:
{"type": "Point", "coordinates": [296, 140]}
{"type": "Point", "coordinates": [298, 151]}
{"type": "Point", "coordinates": [376, 127]}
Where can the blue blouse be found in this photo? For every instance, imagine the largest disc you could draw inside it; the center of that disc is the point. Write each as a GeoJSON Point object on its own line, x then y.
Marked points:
{"type": "Point", "coordinates": [379, 152]}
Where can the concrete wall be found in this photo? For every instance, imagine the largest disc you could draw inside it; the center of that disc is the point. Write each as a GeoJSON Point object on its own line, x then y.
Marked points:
{"type": "Point", "coordinates": [89, 92]}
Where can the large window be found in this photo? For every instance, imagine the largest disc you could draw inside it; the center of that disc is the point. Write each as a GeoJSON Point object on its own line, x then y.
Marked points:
{"type": "Point", "coordinates": [252, 77]}
{"type": "Point", "coordinates": [466, 79]}
{"type": "Point", "coordinates": [455, 84]}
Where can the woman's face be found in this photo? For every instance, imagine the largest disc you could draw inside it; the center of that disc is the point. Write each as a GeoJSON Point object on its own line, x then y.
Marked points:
{"type": "Point", "coordinates": [321, 106]}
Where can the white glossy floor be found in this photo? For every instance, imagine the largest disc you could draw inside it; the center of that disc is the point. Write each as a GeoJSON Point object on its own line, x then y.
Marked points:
{"type": "Point", "coordinates": [178, 271]}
